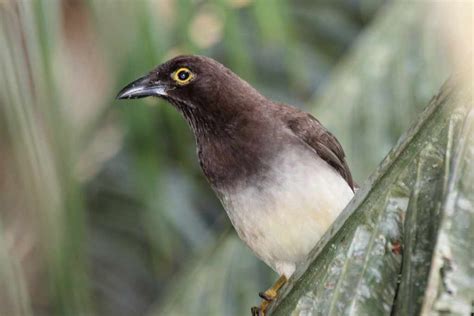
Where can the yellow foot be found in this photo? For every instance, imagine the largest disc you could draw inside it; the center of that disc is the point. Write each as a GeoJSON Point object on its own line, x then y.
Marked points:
{"type": "Point", "coordinates": [268, 296]}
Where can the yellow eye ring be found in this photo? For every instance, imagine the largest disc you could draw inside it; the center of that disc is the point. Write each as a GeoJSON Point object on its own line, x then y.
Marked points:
{"type": "Point", "coordinates": [182, 76]}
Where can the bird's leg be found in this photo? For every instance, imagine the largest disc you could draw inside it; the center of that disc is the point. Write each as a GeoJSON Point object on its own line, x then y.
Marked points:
{"type": "Point", "coordinates": [268, 296]}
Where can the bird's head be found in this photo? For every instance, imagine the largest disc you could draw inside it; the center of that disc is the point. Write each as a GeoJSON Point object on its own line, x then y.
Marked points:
{"type": "Point", "coordinates": [194, 84]}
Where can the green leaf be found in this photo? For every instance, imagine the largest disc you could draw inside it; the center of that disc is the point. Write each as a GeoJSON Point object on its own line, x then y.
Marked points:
{"type": "Point", "coordinates": [377, 258]}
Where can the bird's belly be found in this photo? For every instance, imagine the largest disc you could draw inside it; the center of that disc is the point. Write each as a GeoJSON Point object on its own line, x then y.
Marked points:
{"type": "Point", "coordinates": [283, 215]}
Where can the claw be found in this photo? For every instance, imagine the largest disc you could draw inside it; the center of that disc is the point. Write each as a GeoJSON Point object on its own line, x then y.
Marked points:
{"type": "Point", "coordinates": [260, 311]}
{"type": "Point", "coordinates": [255, 311]}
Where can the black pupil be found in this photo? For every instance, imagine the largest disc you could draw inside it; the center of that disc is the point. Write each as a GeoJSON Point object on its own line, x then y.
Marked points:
{"type": "Point", "coordinates": [183, 75]}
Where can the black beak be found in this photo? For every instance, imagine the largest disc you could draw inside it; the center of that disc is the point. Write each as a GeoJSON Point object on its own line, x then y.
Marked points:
{"type": "Point", "coordinates": [142, 88]}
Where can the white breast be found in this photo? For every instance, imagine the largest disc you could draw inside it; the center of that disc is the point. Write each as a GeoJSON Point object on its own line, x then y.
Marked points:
{"type": "Point", "coordinates": [283, 217]}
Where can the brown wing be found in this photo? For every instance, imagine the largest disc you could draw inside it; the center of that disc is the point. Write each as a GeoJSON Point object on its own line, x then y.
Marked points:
{"type": "Point", "coordinates": [313, 133]}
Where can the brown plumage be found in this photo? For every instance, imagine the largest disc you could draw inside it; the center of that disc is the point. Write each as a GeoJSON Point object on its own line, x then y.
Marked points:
{"type": "Point", "coordinates": [221, 106]}
{"type": "Point", "coordinates": [313, 133]}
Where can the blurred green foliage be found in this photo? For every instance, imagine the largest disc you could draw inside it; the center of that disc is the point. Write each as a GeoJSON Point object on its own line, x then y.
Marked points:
{"type": "Point", "coordinates": [104, 208]}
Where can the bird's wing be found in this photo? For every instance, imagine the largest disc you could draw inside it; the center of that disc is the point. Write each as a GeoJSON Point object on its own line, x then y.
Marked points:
{"type": "Point", "coordinates": [312, 132]}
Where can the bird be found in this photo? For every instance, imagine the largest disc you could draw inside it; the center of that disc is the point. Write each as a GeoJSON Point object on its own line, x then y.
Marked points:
{"type": "Point", "coordinates": [280, 175]}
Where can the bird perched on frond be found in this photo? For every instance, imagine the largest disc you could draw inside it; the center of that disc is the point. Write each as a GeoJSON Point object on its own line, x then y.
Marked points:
{"type": "Point", "coordinates": [280, 174]}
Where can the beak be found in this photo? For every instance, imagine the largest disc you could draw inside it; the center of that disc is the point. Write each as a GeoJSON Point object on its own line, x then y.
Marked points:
{"type": "Point", "coordinates": [142, 88]}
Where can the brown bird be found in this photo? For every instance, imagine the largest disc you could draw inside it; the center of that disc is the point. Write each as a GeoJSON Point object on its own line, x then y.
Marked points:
{"type": "Point", "coordinates": [280, 175]}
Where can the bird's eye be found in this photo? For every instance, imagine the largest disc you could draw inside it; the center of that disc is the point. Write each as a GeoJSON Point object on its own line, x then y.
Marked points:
{"type": "Point", "coordinates": [182, 76]}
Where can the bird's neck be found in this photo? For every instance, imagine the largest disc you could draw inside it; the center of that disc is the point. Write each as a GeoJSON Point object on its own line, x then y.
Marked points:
{"type": "Point", "coordinates": [230, 149]}
{"type": "Point", "coordinates": [230, 162]}
{"type": "Point", "coordinates": [230, 137]}
{"type": "Point", "coordinates": [199, 122]}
